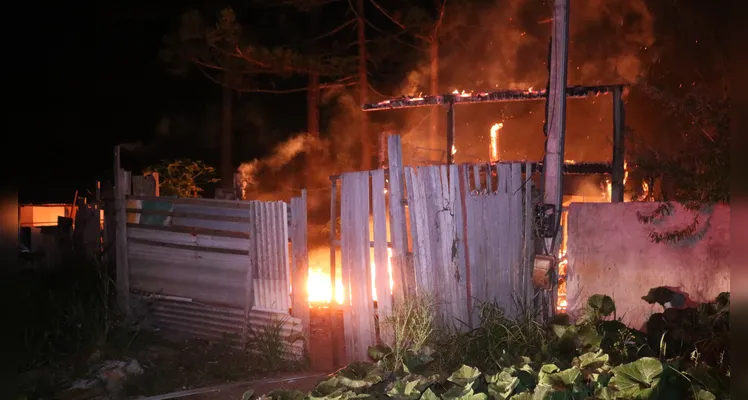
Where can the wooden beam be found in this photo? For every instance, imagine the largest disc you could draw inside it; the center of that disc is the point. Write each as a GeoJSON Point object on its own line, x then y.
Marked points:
{"type": "Point", "coordinates": [619, 124]}
{"type": "Point", "coordinates": [450, 132]}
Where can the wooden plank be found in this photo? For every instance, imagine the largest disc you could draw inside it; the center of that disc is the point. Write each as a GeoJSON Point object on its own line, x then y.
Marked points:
{"type": "Point", "coordinates": [382, 274]}
{"type": "Point", "coordinates": [300, 263]}
{"type": "Point", "coordinates": [501, 233]}
{"type": "Point", "coordinates": [489, 179]}
{"type": "Point", "coordinates": [515, 238]}
{"type": "Point", "coordinates": [192, 230]}
{"type": "Point", "coordinates": [196, 202]}
{"type": "Point", "coordinates": [529, 243]}
{"type": "Point", "coordinates": [419, 228]}
{"type": "Point", "coordinates": [448, 248]}
{"type": "Point", "coordinates": [619, 152]}
{"type": "Point", "coordinates": [460, 257]}
{"type": "Point", "coordinates": [476, 177]}
{"type": "Point", "coordinates": [123, 269]}
{"type": "Point", "coordinates": [143, 185]}
{"type": "Point", "coordinates": [333, 272]}
{"type": "Point", "coordinates": [359, 315]}
{"type": "Point", "coordinates": [398, 225]}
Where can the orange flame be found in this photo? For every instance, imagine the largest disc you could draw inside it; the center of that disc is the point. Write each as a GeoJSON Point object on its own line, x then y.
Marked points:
{"type": "Point", "coordinates": [319, 287]}
{"type": "Point", "coordinates": [495, 141]}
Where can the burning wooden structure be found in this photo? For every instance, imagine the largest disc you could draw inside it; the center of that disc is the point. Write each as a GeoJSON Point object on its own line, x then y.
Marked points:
{"type": "Point", "coordinates": [616, 170]}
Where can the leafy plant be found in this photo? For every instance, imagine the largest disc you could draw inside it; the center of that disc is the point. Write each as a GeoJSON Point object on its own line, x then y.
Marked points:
{"type": "Point", "coordinates": [595, 358]}
{"type": "Point", "coordinates": [182, 177]}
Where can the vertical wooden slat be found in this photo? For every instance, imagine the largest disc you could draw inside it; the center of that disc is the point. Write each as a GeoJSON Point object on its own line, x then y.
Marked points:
{"type": "Point", "coordinates": [515, 236]}
{"type": "Point", "coordinates": [457, 252]}
{"type": "Point", "coordinates": [464, 193]}
{"type": "Point", "coordinates": [501, 234]}
{"type": "Point", "coordinates": [300, 304]}
{"type": "Point", "coordinates": [382, 274]}
{"type": "Point", "coordinates": [249, 292]}
{"type": "Point", "coordinates": [356, 265]}
{"type": "Point", "coordinates": [489, 185]}
{"type": "Point", "coordinates": [448, 248]}
{"type": "Point", "coordinates": [398, 226]}
{"type": "Point", "coordinates": [529, 244]}
{"type": "Point", "coordinates": [123, 269]}
{"type": "Point", "coordinates": [476, 177]}
{"type": "Point", "coordinates": [333, 272]}
{"type": "Point", "coordinates": [419, 230]}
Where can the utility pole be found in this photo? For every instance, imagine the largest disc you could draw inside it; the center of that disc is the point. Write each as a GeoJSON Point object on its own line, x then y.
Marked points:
{"type": "Point", "coordinates": [363, 86]}
{"type": "Point", "coordinates": [554, 148]}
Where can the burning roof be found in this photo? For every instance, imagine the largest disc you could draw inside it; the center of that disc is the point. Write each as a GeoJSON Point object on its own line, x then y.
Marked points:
{"type": "Point", "coordinates": [484, 97]}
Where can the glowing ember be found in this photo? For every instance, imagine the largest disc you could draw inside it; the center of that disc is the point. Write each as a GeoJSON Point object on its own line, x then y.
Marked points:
{"type": "Point", "coordinates": [495, 141]}
{"type": "Point", "coordinates": [454, 150]}
{"type": "Point", "coordinates": [462, 93]}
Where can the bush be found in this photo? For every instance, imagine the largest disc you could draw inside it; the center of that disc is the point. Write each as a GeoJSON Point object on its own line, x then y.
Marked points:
{"type": "Point", "coordinates": [597, 357]}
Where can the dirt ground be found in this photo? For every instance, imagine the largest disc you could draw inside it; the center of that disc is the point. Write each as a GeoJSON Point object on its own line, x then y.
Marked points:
{"type": "Point", "coordinates": [299, 381]}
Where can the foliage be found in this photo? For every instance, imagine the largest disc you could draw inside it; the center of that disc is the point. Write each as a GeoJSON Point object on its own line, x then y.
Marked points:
{"type": "Point", "coordinates": [271, 347]}
{"type": "Point", "coordinates": [699, 175]}
{"type": "Point", "coordinates": [595, 358]}
{"type": "Point", "coordinates": [228, 54]}
{"type": "Point", "coordinates": [182, 177]}
{"type": "Point", "coordinates": [412, 324]}
{"type": "Point", "coordinates": [72, 310]}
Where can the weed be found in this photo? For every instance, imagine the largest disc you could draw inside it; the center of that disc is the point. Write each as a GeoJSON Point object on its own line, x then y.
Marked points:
{"type": "Point", "coordinates": [412, 324]}
{"type": "Point", "coordinates": [271, 347]}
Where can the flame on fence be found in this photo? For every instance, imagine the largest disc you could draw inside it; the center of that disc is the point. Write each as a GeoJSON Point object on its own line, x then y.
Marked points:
{"type": "Point", "coordinates": [495, 141]}
{"type": "Point", "coordinates": [319, 285]}
{"type": "Point", "coordinates": [609, 186]}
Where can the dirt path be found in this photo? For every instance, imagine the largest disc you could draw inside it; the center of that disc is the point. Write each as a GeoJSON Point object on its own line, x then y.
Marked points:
{"type": "Point", "coordinates": [299, 381]}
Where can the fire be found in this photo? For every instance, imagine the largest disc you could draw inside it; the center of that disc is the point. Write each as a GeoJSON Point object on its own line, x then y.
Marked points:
{"type": "Point", "coordinates": [562, 264]}
{"type": "Point", "coordinates": [454, 150]}
{"type": "Point", "coordinates": [462, 93]}
{"type": "Point", "coordinates": [609, 188]}
{"type": "Point", "coordinates": [495, 141]}
{"type": "Point", "coordinates": [319, 287]}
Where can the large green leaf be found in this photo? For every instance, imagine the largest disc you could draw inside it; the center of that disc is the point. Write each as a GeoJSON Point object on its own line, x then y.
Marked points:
{"type": "Point", "coordinates": [600, 305]}
{"type": "Point", "coordinates": [463, 393]}
{"type": "Point", "coordinates": [416, 363]}
{"type": "Point", "coordinates": [702, 394]}
{"type": "Point", "coordinates": [464, 375]}
{"type": "Point", "coordinates": [502, 385]}
{"type": "Point", "coordinates": [429, 394]}
{"type": "Point", "coordinates": [360, 375]}
{"type": "Point", "coordinates": [410, 386]}
{"type": "Point", "coordinates": [379, 352]}
{"type": "Point", "coordinates": [285, 395]}
{"type": "Point", "coordinates": [562, 380]}
{"type": "Point", "coordinates": [638, 379]}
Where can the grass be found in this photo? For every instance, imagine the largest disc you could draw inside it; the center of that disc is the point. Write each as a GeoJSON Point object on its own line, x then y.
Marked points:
{"type": "Point", "coordinates": [496, 336]}
{"type": "Point", "coordinates": [66, 322]}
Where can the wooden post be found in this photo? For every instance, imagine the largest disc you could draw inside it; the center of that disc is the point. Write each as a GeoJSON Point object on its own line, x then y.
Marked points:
{"type": "Point", "coordinates": [158, 183]}
{"type": "Point", "coordinates": [398, 226]}
{"type": "Point", "coordinates": [450, 131]}
{"type": "Point", "coordinates": [120, 204]}
{"type": "Point", "coordinates": [618, 171]}
{"type": "Point", "coordinates": [554, 158]}
{"type": "Point", "coordinates": [333, 273]}
{"type": "Point", "coordinates": [300, 304]}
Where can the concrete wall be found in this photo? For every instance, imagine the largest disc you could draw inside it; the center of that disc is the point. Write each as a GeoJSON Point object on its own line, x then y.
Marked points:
{"type": "Point", "coordinates": [610, 252]}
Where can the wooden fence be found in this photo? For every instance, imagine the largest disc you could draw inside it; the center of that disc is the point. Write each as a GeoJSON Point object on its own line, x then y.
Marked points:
{"type": "Point", "coordinates": [208, 268]}
{"type": "Point", "coordinates": [462, 233]}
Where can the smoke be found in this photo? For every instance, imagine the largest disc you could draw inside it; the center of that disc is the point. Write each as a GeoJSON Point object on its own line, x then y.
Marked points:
{"type": "Point", "coordinates": [505, 46]}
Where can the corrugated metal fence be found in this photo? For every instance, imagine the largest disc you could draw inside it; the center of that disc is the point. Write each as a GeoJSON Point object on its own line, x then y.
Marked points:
{"type": "Point", "coordinates": [467, 239]}
{"type": "Point", "coordinates": [213, 267]}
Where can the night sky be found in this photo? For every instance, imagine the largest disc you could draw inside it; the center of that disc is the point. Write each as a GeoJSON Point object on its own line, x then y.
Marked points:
{"type": "Point", "coordinates": [105, 83]}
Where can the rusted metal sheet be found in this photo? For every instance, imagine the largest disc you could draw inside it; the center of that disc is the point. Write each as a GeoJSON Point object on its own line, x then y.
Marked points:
{"type": "Point", "coordinates": [187, 318]}
{"type": "Point", "coordinates": [230, 259]}
{"type": "Point", "coordinates": [270, 259]}
{"type": "Point", "coordinates": [360, 332]}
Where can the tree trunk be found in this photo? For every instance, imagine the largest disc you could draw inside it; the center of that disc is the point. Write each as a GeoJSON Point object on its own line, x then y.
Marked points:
{"type": "Point", "coordinates": [312, 105]}
{"type": "Point", "coordinates": [227, 165]}
{"type": "Point", "coordinates": [363, 88]}
{"type": "Point", "coordinates": [434, 137]}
